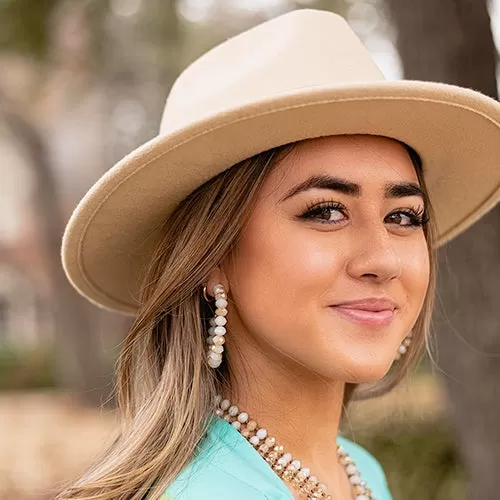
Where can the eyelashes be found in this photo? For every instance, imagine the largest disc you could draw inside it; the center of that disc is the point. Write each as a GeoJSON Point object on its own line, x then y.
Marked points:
{"type": "Point", "coordinates": [328, 212]}
{"type": "Point", "coordinates": [323, 208]}
{"type": "Point", "coordinates": [416, 216]}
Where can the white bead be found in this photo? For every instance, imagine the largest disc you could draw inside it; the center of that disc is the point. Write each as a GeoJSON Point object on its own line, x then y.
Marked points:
{"type": "Point", "coordinates": [218, 288]}
{"type": "Point", "coordinates": [354, 479]}
{"type": "Point", "coordinates": [254, 440]}
{"type": "Point", "coordinates": [217, 349]}
{"type": "Point", "coordinates": [262, 433]}
{"type": "Point", "coordinates": [215, 355]}
{"type": "Point", "coordinates": [407, 342]}
{"type": "Point", "coordinates": [243, 417]}
{"type": "Point", "coordinates": [285, 459]}
{"type": "Point", "coordinates": [402, 349]}
{"type": "Point", "coordinates": [220, 321]}
{"type": "Point", "coordinates": [221, 303]}
{"type": "Point", "coordinates": [219, 330]}
{"type": "Point", "coordinates": [218, 340]}
{"type": "Point", "coordinates": [213, 363]}
{"type": "Point", "coordinates": [304, 472]}
{"type": "Point", "coordinates": [351, 469]}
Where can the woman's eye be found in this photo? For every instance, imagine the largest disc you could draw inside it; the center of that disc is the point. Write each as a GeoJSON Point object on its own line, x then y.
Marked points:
{"type": "Point", "coordinates": [335, 213]}
{"type": "Point", "coordinates": [407, 218]}
{"type": "Point", "coordinates": [327, 214]}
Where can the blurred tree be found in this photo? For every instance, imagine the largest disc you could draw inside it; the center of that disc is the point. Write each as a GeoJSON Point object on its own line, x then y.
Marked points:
{"type": "Point", "coordinates": [23, 25]}
{"type": "Point", "coordinates": [26, 28]}
{"type": "Point", "coordinates": [338, 6]}
{"type": "Point", "coordinates": [451, 41]}
{"type": "Point", "coordinates": [108, 66]}
{"type": "Point", "coordinates": [78, 364]}
{"type": "Point", "coordinates": [142, 59]}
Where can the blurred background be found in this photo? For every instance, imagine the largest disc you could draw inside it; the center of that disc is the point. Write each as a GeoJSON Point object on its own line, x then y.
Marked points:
{"type": "Point", "coordinates": [82, 83]}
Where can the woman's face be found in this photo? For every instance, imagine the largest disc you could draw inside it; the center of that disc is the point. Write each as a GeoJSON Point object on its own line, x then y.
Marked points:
{"type": "Point", "coordinates": [332, 268]}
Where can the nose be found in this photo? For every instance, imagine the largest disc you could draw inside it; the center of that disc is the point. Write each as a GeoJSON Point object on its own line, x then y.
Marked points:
{"type": "Point", "coordinates": [374, 257]}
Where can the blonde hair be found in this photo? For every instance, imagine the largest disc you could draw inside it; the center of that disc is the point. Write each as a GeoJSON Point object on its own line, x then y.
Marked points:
{"type": "Point", "coordinates": [165, 389]}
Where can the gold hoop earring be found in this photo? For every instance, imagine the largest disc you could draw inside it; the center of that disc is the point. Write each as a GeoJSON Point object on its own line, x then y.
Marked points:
{"type": "Point", "coordinates": [204, 293]}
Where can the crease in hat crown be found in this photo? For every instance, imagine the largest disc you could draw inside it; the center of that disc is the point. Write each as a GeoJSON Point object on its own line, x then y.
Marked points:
{"type": "Point", "coordinates": [302, 75]}
{"type": "Point", "coordinates": [299, 50]}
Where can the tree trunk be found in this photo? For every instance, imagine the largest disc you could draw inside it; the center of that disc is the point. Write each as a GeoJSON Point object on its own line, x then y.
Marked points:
{"type": "Point", "coordinates": [78, 363]}
{"type": "Point", "coordinates": [451, 41]}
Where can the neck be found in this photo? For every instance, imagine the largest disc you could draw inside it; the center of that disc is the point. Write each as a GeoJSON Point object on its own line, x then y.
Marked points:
{"type": "Point", "coordinates": [300, 409]}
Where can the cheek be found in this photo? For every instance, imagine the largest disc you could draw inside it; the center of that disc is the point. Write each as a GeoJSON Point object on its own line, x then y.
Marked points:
{"type": "Point", "coordinates": [277, 270]}
{"type": "Point", "coordinates": [416, 274]}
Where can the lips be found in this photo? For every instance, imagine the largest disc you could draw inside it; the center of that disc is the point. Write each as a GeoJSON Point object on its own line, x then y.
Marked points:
{"type": "Point", "coordinates": [374, 312]}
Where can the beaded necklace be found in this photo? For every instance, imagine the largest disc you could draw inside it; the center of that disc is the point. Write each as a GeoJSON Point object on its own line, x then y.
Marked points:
{"type": "Point", "coordinates": [284, 465]}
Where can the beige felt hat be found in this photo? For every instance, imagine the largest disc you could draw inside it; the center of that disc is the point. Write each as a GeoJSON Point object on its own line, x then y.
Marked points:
{"type": "Point", "coordinates": [302, 75]}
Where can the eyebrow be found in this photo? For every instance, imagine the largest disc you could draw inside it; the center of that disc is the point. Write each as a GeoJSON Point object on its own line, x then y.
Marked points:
{"type": "Point", "coordinates": [392, 190]}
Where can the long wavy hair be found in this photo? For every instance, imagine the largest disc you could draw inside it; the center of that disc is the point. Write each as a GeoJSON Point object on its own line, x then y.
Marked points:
{"type": "Point", "coordinates": [165, 388]}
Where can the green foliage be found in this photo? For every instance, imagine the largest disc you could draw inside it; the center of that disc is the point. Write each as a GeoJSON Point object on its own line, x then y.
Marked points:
{"type": "Point", "coordinates": [25, 369]}
{"type": "Point", "coordinates": [420, 462]}
{"type": "Point", "coordinates": [27, 25]}
{"type": "Point", "coordinates": [24, 25]}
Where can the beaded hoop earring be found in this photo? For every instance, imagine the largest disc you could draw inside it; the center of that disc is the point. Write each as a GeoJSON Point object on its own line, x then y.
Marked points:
{"type": "Point", "coordinates": [403, 347]}
{"type": "Point", "coordinates": [217, 330]}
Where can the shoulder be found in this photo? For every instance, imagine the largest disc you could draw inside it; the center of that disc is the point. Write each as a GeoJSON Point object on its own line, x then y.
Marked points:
{"type": "Point", "coordinates": [226, 467]}
{"type": "Point", "coordinates": [210, 483]}
{"type": "Point", "coordinates": [370, 469]}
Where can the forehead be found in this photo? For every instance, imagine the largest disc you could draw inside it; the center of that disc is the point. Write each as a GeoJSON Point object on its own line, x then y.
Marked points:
{"type": "Point", "coordinates": [366, 160]}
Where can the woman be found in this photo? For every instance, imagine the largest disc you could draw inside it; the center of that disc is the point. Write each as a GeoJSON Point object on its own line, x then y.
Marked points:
{"type": "Point", "coordinates": [275, 243]}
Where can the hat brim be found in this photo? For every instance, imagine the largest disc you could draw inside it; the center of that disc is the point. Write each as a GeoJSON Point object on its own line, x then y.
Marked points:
{"type": "Point", "coordinates": [114, 230]}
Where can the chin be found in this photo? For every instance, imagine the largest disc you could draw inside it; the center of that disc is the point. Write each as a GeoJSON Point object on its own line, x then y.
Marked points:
{"type": "Point", "coordinates": [365, 372]}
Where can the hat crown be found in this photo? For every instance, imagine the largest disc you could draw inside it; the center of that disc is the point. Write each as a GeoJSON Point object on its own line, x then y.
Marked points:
{"type": "Point", "coordinates": [299, 50]}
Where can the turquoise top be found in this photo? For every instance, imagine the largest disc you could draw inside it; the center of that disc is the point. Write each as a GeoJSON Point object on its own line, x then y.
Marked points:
{"type": "Point", "coordinates": [228, 467]}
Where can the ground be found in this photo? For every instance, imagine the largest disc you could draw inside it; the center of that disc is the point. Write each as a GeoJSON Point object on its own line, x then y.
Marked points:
{"type": "Point", "coordinates": [48, 438]}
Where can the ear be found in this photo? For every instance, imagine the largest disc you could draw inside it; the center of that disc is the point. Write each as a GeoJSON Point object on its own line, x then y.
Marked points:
{"type": "Point", "coordinates": [214, 278]}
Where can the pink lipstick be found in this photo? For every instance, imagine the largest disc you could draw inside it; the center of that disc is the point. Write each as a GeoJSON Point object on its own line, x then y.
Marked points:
{"type": "Point", "coordinates": [373, 312]}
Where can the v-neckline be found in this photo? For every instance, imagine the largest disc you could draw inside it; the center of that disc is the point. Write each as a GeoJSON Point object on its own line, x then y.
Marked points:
{"type": "Point", "coordinates": [231, 436]}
